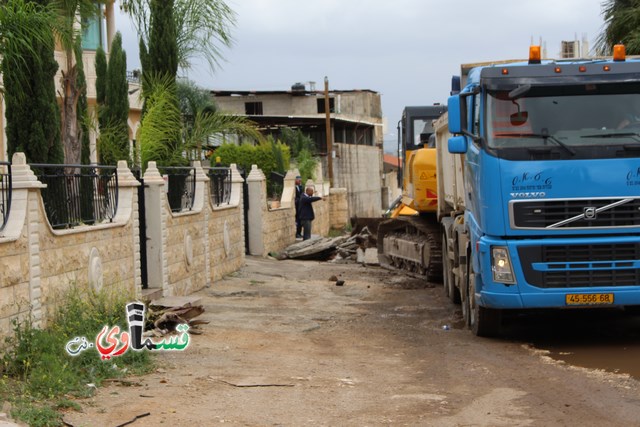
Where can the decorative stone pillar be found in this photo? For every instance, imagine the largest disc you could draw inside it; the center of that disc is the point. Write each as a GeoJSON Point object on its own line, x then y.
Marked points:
{"type": "Point", "coordinates": [155, 199]}
{"type": "Point", "coordinates": [128, 205]}
{"type": "Point", "coordinates": [202, 199]}
{"type": "Point", "coordinates": [289, 190]}
{"type": "Point", "coordinates": [237, 181]}
{"type": "Point", "coordinates": [25, 204]}
{"type": "Point", "coordinates": [256, 182]}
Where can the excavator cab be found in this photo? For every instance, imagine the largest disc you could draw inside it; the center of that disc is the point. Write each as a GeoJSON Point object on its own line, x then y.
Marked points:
{"type": "Point", "coordinates": [419, 184]}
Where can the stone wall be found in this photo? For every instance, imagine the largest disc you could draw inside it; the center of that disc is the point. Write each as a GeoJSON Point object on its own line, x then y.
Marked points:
{"type": "Point", "coordinates": [272, 230]}
{"type": "Point", "coordinates": [196, 246]}
{"type": "Point", "coordinates": [38, 263]}
{"type": "Point", "coordinates": [186, 251]}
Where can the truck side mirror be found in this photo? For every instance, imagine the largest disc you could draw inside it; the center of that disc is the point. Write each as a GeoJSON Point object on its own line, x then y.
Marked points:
{"type": "Point", "coordinates": [457, 144]}
{"type": "Point", "coordinates": [455, 114]}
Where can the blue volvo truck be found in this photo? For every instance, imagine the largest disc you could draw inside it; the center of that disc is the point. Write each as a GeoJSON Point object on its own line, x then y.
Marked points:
{"type": "Point", "coordinates": [539, 187]}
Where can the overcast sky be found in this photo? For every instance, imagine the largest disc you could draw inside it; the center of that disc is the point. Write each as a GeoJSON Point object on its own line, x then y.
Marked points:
{"type": "Point", "coordinates": [407, 50]}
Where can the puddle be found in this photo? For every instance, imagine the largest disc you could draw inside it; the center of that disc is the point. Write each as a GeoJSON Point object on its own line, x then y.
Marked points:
{"type": "Point", "coordinates": [594, 339]}
{"type": "Point", "coordinates": [617, 358]}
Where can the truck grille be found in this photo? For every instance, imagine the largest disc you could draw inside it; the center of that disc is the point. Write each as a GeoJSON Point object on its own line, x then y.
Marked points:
{"type": "Point", "coordinates": [578, 266]}
{"type": "Point", "coordinates": [576, 213]}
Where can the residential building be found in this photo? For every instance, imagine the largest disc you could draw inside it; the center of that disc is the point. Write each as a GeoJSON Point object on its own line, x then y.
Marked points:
{"type": "Point", "coordinates": [356, 132]}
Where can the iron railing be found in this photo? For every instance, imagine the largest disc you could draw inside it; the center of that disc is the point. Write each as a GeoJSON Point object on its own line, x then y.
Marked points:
{"type": "Point", "coordinates": [220, 182]}
{"type": "Point", "coordinates": [181, 188]}
{"type": "Point", "coordinates": [5, 193]}
{"type": "Point", "coordinates": [78, 194]}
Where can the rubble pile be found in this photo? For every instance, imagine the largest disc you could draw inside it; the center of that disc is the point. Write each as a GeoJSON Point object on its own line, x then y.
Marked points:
{"type": "Point", "coordinates": [352, 248]}
{"type": "Point", "coordinates": [162, 318]}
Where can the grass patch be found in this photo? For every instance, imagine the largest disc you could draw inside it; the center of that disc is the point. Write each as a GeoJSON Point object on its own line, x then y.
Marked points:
{"type": "Point", "coordinates": [333, 232]}
{"type": "Point", "coordinates": [40, 379]}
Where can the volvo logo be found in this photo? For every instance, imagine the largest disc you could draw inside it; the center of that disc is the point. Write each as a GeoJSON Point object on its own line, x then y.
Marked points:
{"type": "Point", "coordinates": [527, 195]}
{"type": "Point", "coordinates": [590, 213]}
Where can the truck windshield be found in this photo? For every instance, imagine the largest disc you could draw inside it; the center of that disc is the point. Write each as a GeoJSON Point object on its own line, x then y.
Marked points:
{"type": "Point", "coordinates": [589, 120]}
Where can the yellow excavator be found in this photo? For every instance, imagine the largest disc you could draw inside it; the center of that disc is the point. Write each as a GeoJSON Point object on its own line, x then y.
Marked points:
{"type": "Point", "coordinates": [409, 239]}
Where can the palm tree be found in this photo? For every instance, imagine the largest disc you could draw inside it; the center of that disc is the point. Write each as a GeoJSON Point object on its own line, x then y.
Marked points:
{"type": "Point", "coordinates": [163, 135]}
{"type": "Point", "coordinates": [621, 25]}
{"type": "Point", "coordinates": [201, 26]}
{"type": "Point", "coordinates": [172, 133]}
{"type": "Point", "coordinates": [23, 24]}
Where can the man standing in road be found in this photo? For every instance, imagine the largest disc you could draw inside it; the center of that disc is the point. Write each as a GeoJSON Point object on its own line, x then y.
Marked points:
{"type": "Point", "coordinates": [297, 202]}
{"type": "Point", "coordinates": [306, 211]}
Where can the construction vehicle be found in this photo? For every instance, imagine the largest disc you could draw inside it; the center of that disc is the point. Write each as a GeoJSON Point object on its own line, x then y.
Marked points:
{"type": "Point", "coordinates": [410, 239]}
{"type": "Point", "coordinates": [539, 187]}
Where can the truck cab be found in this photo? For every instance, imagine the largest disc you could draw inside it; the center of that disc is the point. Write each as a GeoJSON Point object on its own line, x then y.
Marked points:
{"type": "Point", "coordinates": [551, 179]}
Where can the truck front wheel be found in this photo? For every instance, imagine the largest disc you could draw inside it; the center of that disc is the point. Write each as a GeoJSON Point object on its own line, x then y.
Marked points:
{"type": "Point", "coordinates": [484, 322]}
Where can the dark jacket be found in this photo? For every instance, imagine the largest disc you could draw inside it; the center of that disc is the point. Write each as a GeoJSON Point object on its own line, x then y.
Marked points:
{"type": "Point", "coordinates": [299, 191]}
{"type": "Point", "coordinates": [305, 210]}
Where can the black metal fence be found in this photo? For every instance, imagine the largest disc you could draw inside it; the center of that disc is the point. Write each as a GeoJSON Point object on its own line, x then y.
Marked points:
{"type": "Point", "coordinates": [220, 182]}
{"type": "Point", "coordinates": [5, 193]}
{"type": "Point", "coordinates": [181, 187]}
{"type": "Point", "coordinates": [78, 194]}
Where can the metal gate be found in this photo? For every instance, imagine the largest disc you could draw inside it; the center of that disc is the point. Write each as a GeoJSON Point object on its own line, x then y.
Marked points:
{"type": "Point", "coordinates": [142, 222]}
{"type": "Point", "coordinates": [245, 204]}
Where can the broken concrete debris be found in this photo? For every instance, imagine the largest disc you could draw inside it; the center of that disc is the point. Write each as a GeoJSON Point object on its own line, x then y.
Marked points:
{"type": "Point", "coordinates": [360, 248]}
{"type": "Point", "coordinates": [164, 315]}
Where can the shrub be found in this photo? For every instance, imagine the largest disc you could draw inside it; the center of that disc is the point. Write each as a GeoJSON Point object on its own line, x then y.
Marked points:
{"type": "Point", "coordinates": [38, 373]}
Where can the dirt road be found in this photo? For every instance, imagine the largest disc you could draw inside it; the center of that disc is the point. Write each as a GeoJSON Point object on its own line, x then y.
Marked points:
{"type": "Point", "coordinates": [286, 346]}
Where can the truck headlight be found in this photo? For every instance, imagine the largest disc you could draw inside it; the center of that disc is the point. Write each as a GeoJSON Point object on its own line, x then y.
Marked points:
{"type": "Point", "coordinates": [501, 265]}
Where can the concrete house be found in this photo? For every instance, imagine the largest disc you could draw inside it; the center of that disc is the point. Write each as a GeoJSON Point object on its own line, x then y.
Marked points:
{"type": "Point", "coordinates": [356, 132]}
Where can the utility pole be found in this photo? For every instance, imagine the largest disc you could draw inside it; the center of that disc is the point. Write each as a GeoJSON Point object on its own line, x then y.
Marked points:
{"type": "Point", "coordinates": [327, 112]}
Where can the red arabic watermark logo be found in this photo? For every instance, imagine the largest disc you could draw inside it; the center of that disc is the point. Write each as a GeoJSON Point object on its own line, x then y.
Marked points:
{"type": "Point", "coordinates": [111, 342]}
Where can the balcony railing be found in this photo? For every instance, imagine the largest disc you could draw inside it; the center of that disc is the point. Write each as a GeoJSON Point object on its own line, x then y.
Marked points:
{"type": "Point", "coordinates": [5, 193]}
{"type": "Point", "coordinates": [78, 194]}
{"type": "Point", "coordinates": [181, 188]}
{"type": "Point", "coordinates": [220, 182]}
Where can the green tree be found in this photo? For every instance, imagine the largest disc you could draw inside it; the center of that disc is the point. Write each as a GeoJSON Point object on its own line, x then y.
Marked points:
{"type": "Point", "coordinates": [28, 67]}
{"type": "Point", "coordinates": [113, 111]}
{"type": "Point", "coordinates": [621, 25]}
{"type": "Point", "coordinates": [162, 135]}
{"type": "Point", "coordinates": [72, 13]}
{"type": "Point", "coordinates": [84, 125]}
{"type": "Point", "coordinates": [197, 27]}
{"type": "Point", "coordinates": [302, 150]}
{"type": "Point", "coordinates": [202, 28]}
{"type": "Point", "coordinates": [163, 47]}
{"type": "Point", "coordinates": [84, 120]}
{"type": "Point", "coordinates": [101, 75]}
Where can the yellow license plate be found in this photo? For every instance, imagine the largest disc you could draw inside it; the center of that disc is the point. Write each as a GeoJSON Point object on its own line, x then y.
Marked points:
{"type": "Point", "coordinates": [588, 299]}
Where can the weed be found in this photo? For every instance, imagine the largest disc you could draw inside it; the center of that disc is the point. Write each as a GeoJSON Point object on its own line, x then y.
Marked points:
{"type": "Point", "coordinates": [39, 376]}
{"type": "Point", "coordinates": [334, 232]}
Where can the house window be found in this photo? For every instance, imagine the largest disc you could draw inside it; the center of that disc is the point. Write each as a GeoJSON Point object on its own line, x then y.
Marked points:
{"type": "Point", "coordinates": [253, 108]}
{"type": "Point", "coordinates": [92, 31]}
{"type": "Point", "coordinates": [321, 105]}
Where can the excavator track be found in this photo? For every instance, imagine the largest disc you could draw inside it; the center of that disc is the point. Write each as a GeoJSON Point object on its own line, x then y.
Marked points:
{"type": "Point", "coordinates": [411, 244]}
